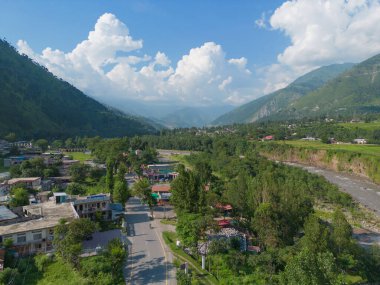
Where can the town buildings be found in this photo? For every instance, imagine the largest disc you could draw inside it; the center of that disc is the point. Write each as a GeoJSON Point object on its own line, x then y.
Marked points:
{"type": "Point", "coordinates": [32, 229]}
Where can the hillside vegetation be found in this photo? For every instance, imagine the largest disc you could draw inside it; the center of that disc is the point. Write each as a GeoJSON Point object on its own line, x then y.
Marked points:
{"type": "Point", "coordinates": [277, 101]}
{"type": "Point", "coordinates": [361, 160]}
{"type": "Point", "coordinates": [352, 93]}
{"type": "Point", "coordinates": [34, 103]}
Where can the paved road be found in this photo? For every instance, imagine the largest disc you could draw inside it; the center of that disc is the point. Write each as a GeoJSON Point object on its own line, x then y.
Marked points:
{"type": "Point", "coordinates": [149, 260]}
{"type": "Point", "coordinates": [361, 189]}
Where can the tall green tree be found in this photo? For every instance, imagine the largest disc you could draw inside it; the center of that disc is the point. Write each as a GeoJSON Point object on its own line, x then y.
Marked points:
{"type": "Point", "coordinates": [78, 172]}
{"type": "Point", "coordinates": [142, 189]}
{"type": "Point", "coordinates": [309, 268]}
{"type": "Point", "coordinates": [42, 144]}
{"type": "Point", "coordinates": [186, 192]}
{"type": "Point", "coordinates": [316, 236]}
{"type": "Point", "coordinates": [265, 223]}
{"type": "Point", "coordinates": [116, 254]}
{"type": "Point", "coordinates": [188, 229]}
{"type": "Point", "coordinates": [341, 232]}
{"type": "Point", "coordinates": [109, 175]}
{"type": "Point", "coordinates": [120, 192]}
{"type": "Point", "coordinates": [68, 238]}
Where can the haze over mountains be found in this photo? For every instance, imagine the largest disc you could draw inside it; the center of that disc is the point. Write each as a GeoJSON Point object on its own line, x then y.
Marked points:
{"type": "Point", "coordinates": [335, 90]}
{"type": "Point", "coordinates": [34, 103]}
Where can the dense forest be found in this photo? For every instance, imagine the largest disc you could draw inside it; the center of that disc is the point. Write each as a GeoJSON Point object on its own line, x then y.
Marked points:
{"type": "Point", "coordinates": [35, 104]}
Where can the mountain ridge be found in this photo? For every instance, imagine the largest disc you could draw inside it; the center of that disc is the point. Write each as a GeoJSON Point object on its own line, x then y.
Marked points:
{"type": "Point", "coordinates": [35, 103]}
{"type": "Point", "coordinates": [275, 102]}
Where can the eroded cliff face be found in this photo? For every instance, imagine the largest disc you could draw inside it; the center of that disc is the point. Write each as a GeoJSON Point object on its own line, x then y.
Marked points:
{"type": "Point", "coordinates": [362, 165]}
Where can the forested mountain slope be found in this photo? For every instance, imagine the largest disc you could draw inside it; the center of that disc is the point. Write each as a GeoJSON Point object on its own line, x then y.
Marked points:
{"type": "Point", "coordinates": [34, 103]}
{"type": "Point", "coordinates": [278, 101]}
{"type": "Point", "coordinates": [355, 92]}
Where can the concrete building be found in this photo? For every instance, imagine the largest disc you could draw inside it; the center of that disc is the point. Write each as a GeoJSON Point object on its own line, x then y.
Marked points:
{"type": "Point", "coordinates": [88, 207]}
{"type": "Point", "coordinates": [360, 141]}
{"type": "Point", "coordinates": [25, 182]}
{"type": "Point", "coordinates": [33, 230]}
{"type": "Point", "coordinates": [162, 191]}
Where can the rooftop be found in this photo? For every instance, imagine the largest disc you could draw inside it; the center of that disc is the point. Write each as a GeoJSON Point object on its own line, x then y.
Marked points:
{"type": "Point", "coordinates": [25, 180]}
{"type": "Point", "coordinates": [50, 214]}
{"type": "Point", "coordinates": [6, 214]}
{"type": "Point", "coordinates": [161, 188]}
{"type": "Point", "coordinates": [91, 199]}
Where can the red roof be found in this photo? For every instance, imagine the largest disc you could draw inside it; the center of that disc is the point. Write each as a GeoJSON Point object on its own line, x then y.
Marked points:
{"type": "Point", "coordinates": [268, 138]}
{"type": "Point", "coordinates": [254, 248]}
{"type": "Point", "coordinates": [161, 188]}
{"type": "Point", "coordinates": [223, 223]}
{"type": "Point", "coordinates": [226, 207]}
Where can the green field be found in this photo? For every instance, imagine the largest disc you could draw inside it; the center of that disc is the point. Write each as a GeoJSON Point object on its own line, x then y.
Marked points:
{"type": "Point", "coordinates": [81, 156]}
{"type": "Point", "coordinates": [364, 126]}
{"type": "Point", "coordinates": [364, 149]}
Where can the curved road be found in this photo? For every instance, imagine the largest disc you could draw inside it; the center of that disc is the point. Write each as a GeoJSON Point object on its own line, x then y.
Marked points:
{"type": "Point", "coordinates": [361, 189]}
{"type": "Point", "coordinates": [149, 259]}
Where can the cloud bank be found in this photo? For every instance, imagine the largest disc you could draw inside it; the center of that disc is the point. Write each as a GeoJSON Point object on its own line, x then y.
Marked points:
{"type": "Point", "coordinates": [108, 66]}
{"type": "Point", "coordinates": [323, 32]}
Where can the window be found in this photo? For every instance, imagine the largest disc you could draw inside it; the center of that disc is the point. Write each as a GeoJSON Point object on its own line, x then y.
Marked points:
{"type": "Point", "coordinates": [37, 235]}
{"type": "Point", "coordinates": [21, 238]}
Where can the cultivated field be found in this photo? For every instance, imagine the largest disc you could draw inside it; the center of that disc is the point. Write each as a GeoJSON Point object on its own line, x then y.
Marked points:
{"type": "Point", "coordinates": [364, 149]}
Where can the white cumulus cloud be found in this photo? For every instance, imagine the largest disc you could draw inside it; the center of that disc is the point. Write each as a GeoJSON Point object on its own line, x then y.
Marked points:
{"type": "Point", "coordinates": [323, 32]}
{"type": "Point", "coordinates": [108, 65]}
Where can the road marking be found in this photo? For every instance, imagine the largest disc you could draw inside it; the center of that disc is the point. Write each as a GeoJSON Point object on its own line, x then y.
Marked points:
{"type": "Point", "coordinates": [131, 258]}
{"type": "Point", "coordinates": [166, 259]}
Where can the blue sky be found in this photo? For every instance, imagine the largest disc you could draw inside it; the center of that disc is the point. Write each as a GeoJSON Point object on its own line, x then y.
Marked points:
{"type": "Point", "coordinates": [140, 55]}
{"type": "Point", "coordinates": [170, 26]}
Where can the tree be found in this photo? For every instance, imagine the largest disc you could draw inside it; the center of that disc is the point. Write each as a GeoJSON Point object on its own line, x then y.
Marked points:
{"type": "Point", "coordinates": [78, 172]}
{"type": "Point", "coordinates": [75, 189]}
{"type": "Point", "coordinates": [188, 229]}
{"type": "Point", "coordinates": [116, 254]}
{"type": "Point", "coordinates": [109, 175]}
{"type": "Point", "coordinates": [143, 190]}
{"type": "Point", "coordinates": [120, 192]}
{"type": "Point", "coordinates": [42, 144]}
{"type": "Point", "coordinates": [69, 143]}
{"type": "Point", "coordinates": [186, 192]}
{"type": "Point", "coordinates": [10, 276]}
{"type": "Point", "coordinates": [11, 137]}
{"type": "Point", "coordinates": [308, 268]}
{"type": "Point", "coordinates": [265, 223]}
{"type": "Point", "coordinates": [204, 172]}
{"type": "Point", "coordinates": [68, 238]}
{"type": "Point", "coordinates": [341, 232]}
{"type": "Point", "coordinates": [316, 235]}
{"type": "Point", "coordinates": [20, 197]}
{"type": "Point", "coordinates": [57, 144]}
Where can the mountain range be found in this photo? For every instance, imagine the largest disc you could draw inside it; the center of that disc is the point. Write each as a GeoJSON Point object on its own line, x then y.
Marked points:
{"type": "Point", "coordinates": [35, 104]}
{"type": "Point", "coordinates": [280, 100]}
{"type": "Point", "coordinates": [339, 90]}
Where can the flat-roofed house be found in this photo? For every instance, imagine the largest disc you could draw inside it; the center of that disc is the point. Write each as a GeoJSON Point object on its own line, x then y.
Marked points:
{"type": "Point", "coordinates": [88, 207]}
{"type": "Point", "coordinates": [25, 182]}
{"type": "Point", "coordinates": [34, 231]}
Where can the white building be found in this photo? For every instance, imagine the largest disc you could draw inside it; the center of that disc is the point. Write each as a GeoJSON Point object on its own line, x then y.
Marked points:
{"type": "Point", "coordinates": [33, 231]}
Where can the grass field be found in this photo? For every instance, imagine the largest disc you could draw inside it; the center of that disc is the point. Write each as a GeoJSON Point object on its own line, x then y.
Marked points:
{"type": "Point", "coordinates": [364, 149]}
{"type": "Point", "coordinates": [202, 276]}
{"type": "Point", "coordinates": [364, 126]}
{"type": "Point", "coordinates": [58, 273]}
{"type": "Point", "coordinates": [81, 156]}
